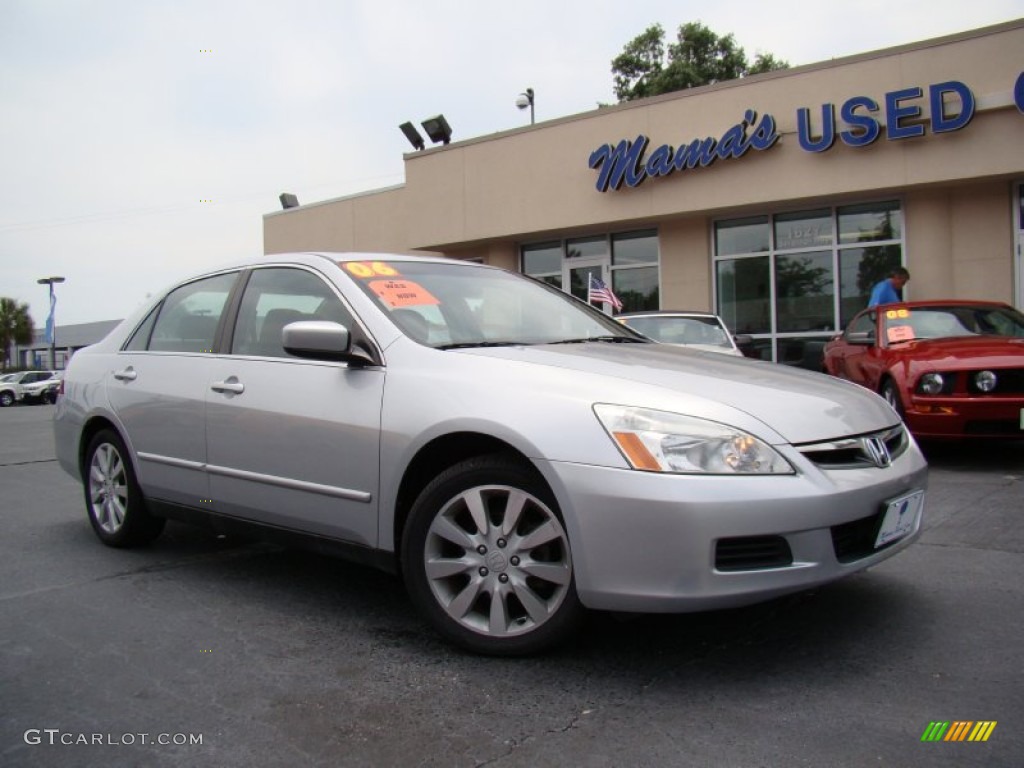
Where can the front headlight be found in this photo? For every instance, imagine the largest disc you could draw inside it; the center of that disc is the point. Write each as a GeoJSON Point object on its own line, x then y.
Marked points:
{"type": "Point", "coordinates": [658, 441]}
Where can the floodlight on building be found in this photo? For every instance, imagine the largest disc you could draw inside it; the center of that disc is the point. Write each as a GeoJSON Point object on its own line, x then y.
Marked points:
{"type": "Point", "coordinates": [524, 100]}
{"type": "Point", "coordinates": [437, 129]}
{"type": "Point", "coordinates": [288, 200]}
{"type": "Point", "coordinates": [412, 135]}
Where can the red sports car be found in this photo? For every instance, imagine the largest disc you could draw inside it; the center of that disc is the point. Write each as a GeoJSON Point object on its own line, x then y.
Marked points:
{"type": "Point", "coordinates": [949, 368]}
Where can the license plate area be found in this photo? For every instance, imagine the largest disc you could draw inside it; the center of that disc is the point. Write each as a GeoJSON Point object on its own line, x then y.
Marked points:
{"type": "Point", "coordinates": [901, 518]}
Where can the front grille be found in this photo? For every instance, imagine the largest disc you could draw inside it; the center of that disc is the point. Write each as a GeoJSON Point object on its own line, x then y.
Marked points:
{"type": "Point", "coordinates": [852, 452]}
{"type": "Point", "coordinates": [752, 553]}
{"type": "Point", "coordinates": [856, 539]}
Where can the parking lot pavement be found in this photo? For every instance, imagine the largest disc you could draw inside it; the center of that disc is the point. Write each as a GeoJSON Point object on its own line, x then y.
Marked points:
{"type": "Point", "coordinates": [271, 657]}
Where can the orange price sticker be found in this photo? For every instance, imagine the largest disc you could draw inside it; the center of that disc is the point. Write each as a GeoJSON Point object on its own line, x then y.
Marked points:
{"type": "Point", "coordinates": [900, 333]}
{"type": "Point", "coordinates": [366, 269]}
{"type": "Point", "coordinates": [402, 293]}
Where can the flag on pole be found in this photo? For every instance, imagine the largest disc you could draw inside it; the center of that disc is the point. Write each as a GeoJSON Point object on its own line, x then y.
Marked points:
{"type": "Point", "coordinates": [598, 291]}
{"type": "Point", "coordinates": [49, 318]}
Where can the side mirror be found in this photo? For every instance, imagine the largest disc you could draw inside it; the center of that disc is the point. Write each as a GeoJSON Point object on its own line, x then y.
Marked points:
{"type": "Point", "coordinates": [743, 340]}
{"type": "Point", "coordinates": [323, 340]}
{"type": "Point", "coordinates": [860, 338]}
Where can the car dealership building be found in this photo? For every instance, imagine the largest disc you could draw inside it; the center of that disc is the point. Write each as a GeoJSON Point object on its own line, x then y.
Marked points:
{"type": "Point", "coordinates": [776, 200]}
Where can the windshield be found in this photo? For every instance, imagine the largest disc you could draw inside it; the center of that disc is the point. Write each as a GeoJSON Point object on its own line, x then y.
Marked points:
{"type": "Point", "coordinates": [461, 305]}
{"type": "Point", "coordinates": [909, 323]}
{"type": "Point", "coordinates": [669, 329]}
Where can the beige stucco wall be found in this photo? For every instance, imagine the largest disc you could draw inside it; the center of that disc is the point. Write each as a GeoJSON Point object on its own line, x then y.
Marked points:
{"type": "Point", "coordinates": [483, 197]}
{"type": "Point", "coordinates": [959, 242]}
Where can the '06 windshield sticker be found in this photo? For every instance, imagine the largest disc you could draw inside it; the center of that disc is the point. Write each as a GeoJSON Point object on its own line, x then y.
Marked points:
{"type": "Point", "coordinates": [366, 269]}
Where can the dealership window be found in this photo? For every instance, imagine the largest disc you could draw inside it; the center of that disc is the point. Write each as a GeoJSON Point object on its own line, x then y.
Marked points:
{"type": "Point", "coordinates": [626, 261]}
{"type": "Point", "coordinates": [792, 280]}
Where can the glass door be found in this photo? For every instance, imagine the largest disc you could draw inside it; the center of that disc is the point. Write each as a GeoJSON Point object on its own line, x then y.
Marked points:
{"type": "Point", "coordinates": [584, 257]}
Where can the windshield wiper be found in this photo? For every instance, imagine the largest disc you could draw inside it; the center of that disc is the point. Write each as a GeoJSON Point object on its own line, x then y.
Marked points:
{"type": "Point", "coordinates": [604, 339]}
{"type": "Point", "coordinates": [471, 344]}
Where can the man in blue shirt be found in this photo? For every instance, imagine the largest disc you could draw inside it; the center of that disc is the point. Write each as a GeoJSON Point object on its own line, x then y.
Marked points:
{"type": "Point", "coordinates": [887, 291]}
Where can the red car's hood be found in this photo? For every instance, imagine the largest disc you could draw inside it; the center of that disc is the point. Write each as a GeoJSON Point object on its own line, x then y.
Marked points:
{"type": "Point", "coordinates": [965, 352]}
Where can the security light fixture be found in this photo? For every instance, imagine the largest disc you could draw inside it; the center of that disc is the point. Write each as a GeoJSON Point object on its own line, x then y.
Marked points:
{"type": "Point", "coordinates": [288, 200]}
{"type": "Point", "coordinates": [437, 129]}
{"type": "Point", "coordinates": [412, 135]}
{"type": "Point", "coordinates": [524, 100]}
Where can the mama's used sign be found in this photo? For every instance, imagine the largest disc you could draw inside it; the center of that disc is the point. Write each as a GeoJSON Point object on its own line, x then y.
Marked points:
{"type": "Point", "coordinates": [899, 113]}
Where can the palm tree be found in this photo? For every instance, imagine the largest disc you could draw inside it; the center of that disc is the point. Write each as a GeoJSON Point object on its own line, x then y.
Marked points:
{"type": "Point", "coordinates": [16, 326]}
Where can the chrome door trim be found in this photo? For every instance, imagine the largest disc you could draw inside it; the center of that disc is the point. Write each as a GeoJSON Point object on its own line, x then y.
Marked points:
{"type": "Point", "coordinates": [285, 482]}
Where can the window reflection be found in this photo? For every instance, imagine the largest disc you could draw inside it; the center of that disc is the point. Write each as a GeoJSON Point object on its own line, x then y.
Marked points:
{"type": "Point", "coordinates": [637, 289]}
{"type": "Point", "coordinates": [744, 302]}
{"type": "Point", "coordinates": [741, 236]}
{"type": "Point", "coordinates": [803, 292]}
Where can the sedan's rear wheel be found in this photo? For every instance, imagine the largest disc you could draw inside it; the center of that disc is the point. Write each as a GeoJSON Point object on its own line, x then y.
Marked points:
{"type": "Point", "coordinates": [487, 561]}
{"type": "Point", "coordinates": [6, 398]}
{"type": "Point", "coordinates": [117, 508]}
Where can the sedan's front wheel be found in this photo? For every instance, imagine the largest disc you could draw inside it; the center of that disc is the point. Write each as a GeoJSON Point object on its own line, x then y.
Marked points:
{"type": "Point", "coordinates": [486, 559]}
{"type": "Point", "coordinates": [117, 508]}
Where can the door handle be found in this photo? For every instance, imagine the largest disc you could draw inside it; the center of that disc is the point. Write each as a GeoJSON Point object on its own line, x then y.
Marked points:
{"type": "Point", "coordinates": [128, 374]}
{"type": "Point", "coordinates": [232, 385]}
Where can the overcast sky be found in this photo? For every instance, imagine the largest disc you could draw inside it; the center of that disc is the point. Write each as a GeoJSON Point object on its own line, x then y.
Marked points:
{"type": "Point", "coordinates": [142, 141]}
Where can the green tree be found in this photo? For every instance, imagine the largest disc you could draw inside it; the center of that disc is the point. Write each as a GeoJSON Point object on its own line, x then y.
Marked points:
{"type": "Point", "coordinates": [647, 67]}
{"type": "Point", "coordinates": [15, 326]}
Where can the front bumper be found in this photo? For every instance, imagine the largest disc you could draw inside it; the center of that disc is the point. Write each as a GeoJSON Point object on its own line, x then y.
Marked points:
{"type": "Point", "coordinates": [650, 542]}
{"type": "Point", "coordinates": [966, 416]}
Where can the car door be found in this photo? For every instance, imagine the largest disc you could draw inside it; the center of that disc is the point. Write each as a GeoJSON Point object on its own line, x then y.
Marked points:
{"type": "Point", "coordinates": [157, 389]}
{"type": "Point", "coordinates": [293, 443]}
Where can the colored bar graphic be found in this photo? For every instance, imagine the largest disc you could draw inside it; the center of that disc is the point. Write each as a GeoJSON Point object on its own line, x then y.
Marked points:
{"type": "Point", "coordinates": [982, 731]}
{"type": "Point", "coordinates": [959, 730]}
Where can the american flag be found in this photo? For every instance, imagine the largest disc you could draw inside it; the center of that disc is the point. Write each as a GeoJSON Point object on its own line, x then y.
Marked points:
{"type": "Point", "coordinates": [598, 291]}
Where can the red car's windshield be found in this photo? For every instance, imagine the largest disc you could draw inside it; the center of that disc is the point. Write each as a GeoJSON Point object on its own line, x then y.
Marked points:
{"type": "Point", "coordinates": [934, 322]}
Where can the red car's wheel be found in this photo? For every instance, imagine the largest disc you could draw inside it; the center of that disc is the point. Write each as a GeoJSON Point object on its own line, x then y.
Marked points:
{"type": "Point", "coordinates": [892, 396]}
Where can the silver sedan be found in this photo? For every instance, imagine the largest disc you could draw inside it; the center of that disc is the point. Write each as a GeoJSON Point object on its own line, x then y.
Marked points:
{"type": "Point", "coordinates": [514, 454]}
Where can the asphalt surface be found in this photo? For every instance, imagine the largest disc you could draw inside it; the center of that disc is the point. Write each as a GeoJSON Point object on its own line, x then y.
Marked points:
{"type": "Point", "coordinates": [271, 657]}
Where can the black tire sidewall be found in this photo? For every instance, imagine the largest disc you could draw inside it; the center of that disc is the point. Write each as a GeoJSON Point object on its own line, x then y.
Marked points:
{"type": "Point", "coordinates": [475, 472]}
{"type": "Point", "coordinates": [139, 527]}
{"type": "Point", "coordinates": [890, 386]}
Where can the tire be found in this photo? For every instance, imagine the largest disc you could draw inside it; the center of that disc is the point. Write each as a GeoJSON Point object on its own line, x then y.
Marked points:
{"type": "Point", "coordinates": [51, 396]}
{"type": "Point", "coordinates": [6, 398]}
{"type": "Point", "coordinates": [892, 397]}
{"type": "Point", "coordinates": [486, 559]}
{"type": "Point", "coordinates": [113, 499]}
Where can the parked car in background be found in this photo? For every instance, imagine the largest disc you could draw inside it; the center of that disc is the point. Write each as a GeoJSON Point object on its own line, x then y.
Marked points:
{"type": "Point", "coordinates": [13, 389]}
{"type": "Point", "coordinates": [516, 455]}
{"type": "Point", "coordinates": [949, 368]}
{"type": "Point", "coordinates": [41, 390]}
{"type": "Point", "coordinates": [700, 330]}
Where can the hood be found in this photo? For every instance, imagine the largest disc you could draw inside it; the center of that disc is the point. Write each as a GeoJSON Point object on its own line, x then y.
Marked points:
{"type": "Point", "coordinates": [965, 352]}
{"type": "Point", "coordinates": [800, 406]}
